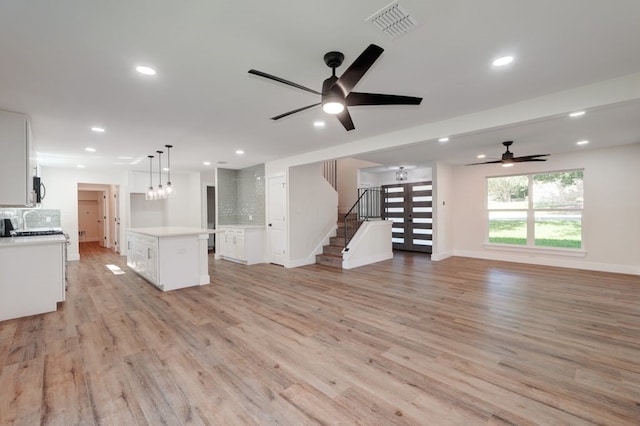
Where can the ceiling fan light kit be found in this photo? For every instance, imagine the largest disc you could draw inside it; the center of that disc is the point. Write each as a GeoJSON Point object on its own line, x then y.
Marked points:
{"type": "Point", "coordinates": [337, 96]}
{"type": "Point", "coordinates": [509, 160]}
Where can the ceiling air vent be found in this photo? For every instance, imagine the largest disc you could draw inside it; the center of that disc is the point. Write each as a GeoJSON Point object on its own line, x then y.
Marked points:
{"type": "Point", "coordinates": [393, 20]}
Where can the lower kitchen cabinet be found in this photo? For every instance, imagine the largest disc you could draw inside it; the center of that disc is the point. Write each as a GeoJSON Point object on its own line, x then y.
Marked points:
{"type": "Point", "coordinates": [32, 275]}
{"type": "Point", "coordinates": [143, 255]}
{"type": "Point", "coordinates": [169, 257]}
{"type": "Point", "coordinates": [242, 244]}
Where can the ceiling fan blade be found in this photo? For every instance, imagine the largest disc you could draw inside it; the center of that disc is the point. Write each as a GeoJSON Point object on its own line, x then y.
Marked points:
{"type": "Point", "coordinates": [357, 98]}
{"type": "Point", "coordinates": [485, 162]}
{"type": "Point", "coordinates": [359, 67]}
{"type": "Point", "coordinates": [345, 119]}
{"type": "Point", "coordinates": [283, 81]}
{"type": "Point", "coordinates": [526, 158]}
{"type": "Point", "coordinates": [277, 117]}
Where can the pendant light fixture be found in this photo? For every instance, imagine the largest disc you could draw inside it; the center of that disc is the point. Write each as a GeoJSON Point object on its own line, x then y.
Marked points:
{"type": "Point", "coordinates": [169, 190]}
{"type": "Point", "coordinates": [401, 174]}
{"type": "Point", "coordinates": [160, 194]}
{"type": "Point", "coordinates": [150, 192]}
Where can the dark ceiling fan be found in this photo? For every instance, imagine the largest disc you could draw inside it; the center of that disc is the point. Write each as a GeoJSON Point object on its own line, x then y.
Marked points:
{"type": "Point", "coordinates": [336, 95]}
{"type": "Point", "coordinates": [508, 158]}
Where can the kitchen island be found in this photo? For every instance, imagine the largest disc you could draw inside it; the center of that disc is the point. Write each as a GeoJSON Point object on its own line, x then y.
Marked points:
{"type": "Point", "coordinates": [32, 275]}
{"type": "Point", "coordinates": [169, 257]}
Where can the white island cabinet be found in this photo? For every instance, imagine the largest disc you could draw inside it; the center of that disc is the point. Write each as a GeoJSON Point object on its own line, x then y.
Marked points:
{"type": "Point", "coordinates": [242, 243]}
{"type": "Point", "coordinates": [169, 257]}
{"type": "Point", "coordinates": [32, 275]}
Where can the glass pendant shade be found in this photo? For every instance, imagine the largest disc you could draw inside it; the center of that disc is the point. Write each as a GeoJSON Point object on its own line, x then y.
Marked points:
{"type": "Point", "coordinates": [169, 191]}
{"type": "Point", "coordinates": [149, 195]}
{"type": "Point", "coordinates": [160, 193]}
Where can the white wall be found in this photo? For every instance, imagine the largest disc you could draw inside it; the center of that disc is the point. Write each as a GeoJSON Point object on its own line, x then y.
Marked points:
{"type": "Point", "coordinates": [313, 213]}
{"type": "Point", "coordinates": [145, 213]}
{"type": "Point", "coordinates": [347, 187]}
{"type": "Point", "coordinates": [184, 209]}
{"type": "Point", "coordinates": [443, 196]}
{"type": "Point", "coordinates": [610, 216]}
{"type": "Point", "coordinates": [371, 243]}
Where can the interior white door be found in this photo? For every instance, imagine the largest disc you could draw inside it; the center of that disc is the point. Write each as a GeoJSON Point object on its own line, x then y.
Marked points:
{"type": "Point", "coordinates": [102, 219]}
{"type": "Point", "coordinates": [276, 219]}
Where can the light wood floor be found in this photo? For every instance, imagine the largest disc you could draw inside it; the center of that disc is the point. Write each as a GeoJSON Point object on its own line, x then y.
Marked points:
{"type": "Point", "coordinates": [406, 341]}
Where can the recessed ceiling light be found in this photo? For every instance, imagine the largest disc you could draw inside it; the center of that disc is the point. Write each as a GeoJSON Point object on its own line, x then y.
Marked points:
{"type": "Point", "coordinates": [125, 158]}
{"type": "Point", "coordinates": [239, 151]}
{"type": "Point", "coordinates": [89, 149]}
{"type": "Point", "coordinates": [206, 163]}
{"type": "Point", "coordinates": [145, 70]}
{"type": "Point", "coordinates": [166, 169]}
{"type": "Point", "coordinates": [480, 156]}
{"type": "Point", "coordinates": [318, 123]}
{"type": "Point", "coordinates": [443, 140]}
{"type": "Point", "coordinates": [80, 166]}
{"type": "Point", "coordinates": [502, 61]}
{"type": "Point", "coordinates": [583, 142]}
{"type": "Point", "coordinates": [577, 114]}
{"type": "Point", "coordinates": [98, 129]}
{"type": "Point", "coordinates": [507, 164]}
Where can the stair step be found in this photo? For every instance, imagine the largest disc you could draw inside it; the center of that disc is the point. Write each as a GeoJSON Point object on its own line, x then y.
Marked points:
{"type": "Point", "coordinates": [350, 216]}
{"type": "Point", "coordinates": [333, 250]}
{"type": "Point", "coordinates": [329, 260]}
{"type": "Point", "coordinates": [337, 241]}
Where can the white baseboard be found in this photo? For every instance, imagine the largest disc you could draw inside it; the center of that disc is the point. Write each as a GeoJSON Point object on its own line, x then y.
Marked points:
{"type": "Point", "coordinates": [300, 262]}
{"type": "Point", "coordinates": [561, 262]}
{"type": "Point", "coordinates": [441, 256]}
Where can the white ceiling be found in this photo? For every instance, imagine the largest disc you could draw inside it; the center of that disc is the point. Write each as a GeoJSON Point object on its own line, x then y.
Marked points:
{"type": "Point", "coordinates": [70, 65]}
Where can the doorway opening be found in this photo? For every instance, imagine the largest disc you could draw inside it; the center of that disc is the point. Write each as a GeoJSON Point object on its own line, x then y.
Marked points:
{"type": "Point", "coordinates": [99, 215]}
{"type": "Point", "coordinates": [211, 216]}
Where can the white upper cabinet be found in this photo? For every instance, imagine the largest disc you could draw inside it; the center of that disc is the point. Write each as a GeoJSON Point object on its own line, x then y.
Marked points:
{"type": "Point", "coordinates": [17, 162]}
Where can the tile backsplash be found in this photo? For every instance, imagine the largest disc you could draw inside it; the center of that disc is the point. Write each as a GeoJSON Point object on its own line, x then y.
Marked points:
{"type": "Point", "coordinates": [32, 218]}
{"type": "Point", "coordinates": [241, 196]}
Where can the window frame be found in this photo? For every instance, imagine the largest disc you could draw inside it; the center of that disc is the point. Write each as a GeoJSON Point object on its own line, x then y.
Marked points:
{"type": "Point", "coordinates": [530, 212]}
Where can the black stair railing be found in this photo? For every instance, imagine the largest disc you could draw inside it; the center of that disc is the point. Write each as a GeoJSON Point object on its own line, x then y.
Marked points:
{"type": "Point", "coordinates": [330, 172]}
{"type": "Point", "coordinates": [368, 206]}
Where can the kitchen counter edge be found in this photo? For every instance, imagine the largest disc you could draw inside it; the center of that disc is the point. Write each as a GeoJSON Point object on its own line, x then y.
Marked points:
{"type": "Point", "coordinates": [171, 231]}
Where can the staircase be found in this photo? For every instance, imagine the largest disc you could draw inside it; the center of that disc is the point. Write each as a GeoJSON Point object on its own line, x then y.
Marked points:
{"type": "Point", "coordinates": [332, 253]}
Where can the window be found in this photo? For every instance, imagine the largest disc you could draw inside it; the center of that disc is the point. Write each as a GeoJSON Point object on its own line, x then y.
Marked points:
{"type": "Point", "coordinates": [537, 210]}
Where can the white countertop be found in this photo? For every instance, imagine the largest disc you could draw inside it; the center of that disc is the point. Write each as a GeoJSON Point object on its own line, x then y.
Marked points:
{"type": "Point", "coordinates": [40, 239]}
{"type": "Point", "coordinates": [171, 231]}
